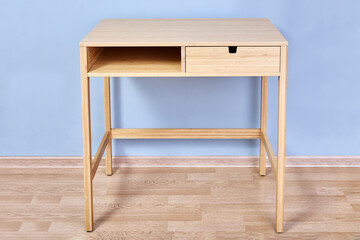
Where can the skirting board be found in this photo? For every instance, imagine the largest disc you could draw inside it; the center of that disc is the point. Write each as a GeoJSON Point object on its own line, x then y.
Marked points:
{"type": "Point", "coordinates": [177, 161]}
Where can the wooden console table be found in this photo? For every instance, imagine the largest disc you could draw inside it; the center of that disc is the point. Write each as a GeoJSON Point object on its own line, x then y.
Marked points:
{"type": "Point", "coordinates": [181, 48]}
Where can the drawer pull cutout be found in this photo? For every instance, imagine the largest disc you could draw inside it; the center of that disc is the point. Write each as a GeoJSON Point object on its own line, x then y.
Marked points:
{"type": "Point", "coordinates": [232, 49]}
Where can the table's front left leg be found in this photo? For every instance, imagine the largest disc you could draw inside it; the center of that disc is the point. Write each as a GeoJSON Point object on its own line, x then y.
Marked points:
{"type": "Point", "coordinates": [281, 142]}
{"type": "Point", "coordinates": [86, 125]}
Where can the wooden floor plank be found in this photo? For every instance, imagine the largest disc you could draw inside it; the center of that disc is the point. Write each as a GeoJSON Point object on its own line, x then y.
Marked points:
{"type": "Point", "coordinates": [180, 203]}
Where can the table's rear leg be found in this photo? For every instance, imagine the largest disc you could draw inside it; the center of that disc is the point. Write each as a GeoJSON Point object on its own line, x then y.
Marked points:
{"type": "Point", "coordinates": [107, 111]}
{"type": "Point", "coordinates": [281, 143]}
{"type": "Point", "coordinates": [263, 111]}
{"type": "Point", "coordinates": [85, 105]}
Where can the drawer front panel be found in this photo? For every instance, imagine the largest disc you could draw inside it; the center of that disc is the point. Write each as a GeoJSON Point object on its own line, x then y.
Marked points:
{"type": "Point", "coordinates": [246, 60]}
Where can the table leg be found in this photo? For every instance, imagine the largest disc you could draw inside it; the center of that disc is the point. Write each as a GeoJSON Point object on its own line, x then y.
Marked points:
{"type": "Point", "coordinates": [263, 111]}
{"type": "Point", "coordinates": [86, 125]}
{"type": "Point", "coordinates": [281, 143]}
{"type": "Point", "coordinates": [107, 111]}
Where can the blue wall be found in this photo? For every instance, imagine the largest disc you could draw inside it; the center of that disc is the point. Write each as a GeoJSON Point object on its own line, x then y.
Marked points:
{"type": "Point", "coordinates": [40, 111]}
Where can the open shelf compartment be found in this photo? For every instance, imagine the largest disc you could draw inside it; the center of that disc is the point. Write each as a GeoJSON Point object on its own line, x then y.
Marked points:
{"type": "Point", "coordinates": [134, 61]}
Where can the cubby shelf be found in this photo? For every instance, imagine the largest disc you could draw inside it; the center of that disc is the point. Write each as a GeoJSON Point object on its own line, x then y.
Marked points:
{"type": "Point", "coordinates": [137, 61]}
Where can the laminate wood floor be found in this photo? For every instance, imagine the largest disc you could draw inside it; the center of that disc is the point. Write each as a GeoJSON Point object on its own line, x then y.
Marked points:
{"type": "Point", "coordinates": [180, 203]}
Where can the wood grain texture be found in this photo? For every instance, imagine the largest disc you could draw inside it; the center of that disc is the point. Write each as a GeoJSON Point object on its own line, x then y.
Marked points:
{"type": "Point", "coordinates": [281, 141]}
{"type": "Point", "coordinates": [270, 153]}
{"type": "Point", "coordinates": [172, 61]}
{"type": "Point", "coordinates": [184, 32]}
{"type": "Point", "coordinates": [180, 203]}
{"type": "Point", "coordinates": [263, 119]}
{"type": "Point", "coordinates": [93, 54]}
{"type": "Point", "coordinates": [107, 121]}
{"type": "Point", "coordinates": [100, 152]}
{"type": "Point", "coordinates": [86, 125]}
{"type": "Point", "coordinates": [183, 59]}
{"type": "Point", "coordinates": [185, 133]}
{"type": "Point", "coordinates": [141, 47]}
{"type": "Point", "coordinates": [137, 61]}
{"type": "Point", "coordinates": [255, 60]}
{"type": "Point", "coordinates": [180, 161]}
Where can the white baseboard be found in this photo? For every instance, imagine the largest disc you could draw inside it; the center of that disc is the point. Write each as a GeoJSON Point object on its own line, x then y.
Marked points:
{"type": "Point", "coordinates": [176, 161]}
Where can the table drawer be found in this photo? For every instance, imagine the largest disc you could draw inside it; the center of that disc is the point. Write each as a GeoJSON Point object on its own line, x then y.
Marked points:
{"type": "Point", "coordinates": [241, 60]}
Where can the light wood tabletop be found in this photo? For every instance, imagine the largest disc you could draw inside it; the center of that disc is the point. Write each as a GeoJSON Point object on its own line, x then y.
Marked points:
{"type": "Point", "coordinates": [187, 48]}
{"type": "Point", "coordinates": [184, 32]}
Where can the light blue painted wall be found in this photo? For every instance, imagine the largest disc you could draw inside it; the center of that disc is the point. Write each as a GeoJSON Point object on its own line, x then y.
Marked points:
{"type": "Point", "coordinates": [40, 80]}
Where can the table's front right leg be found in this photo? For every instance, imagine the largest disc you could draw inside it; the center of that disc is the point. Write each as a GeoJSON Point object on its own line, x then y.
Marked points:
{"type": "Point", "coordinates": [281, 142]}
{"type": "Point", "coordinates": [86, 125]}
